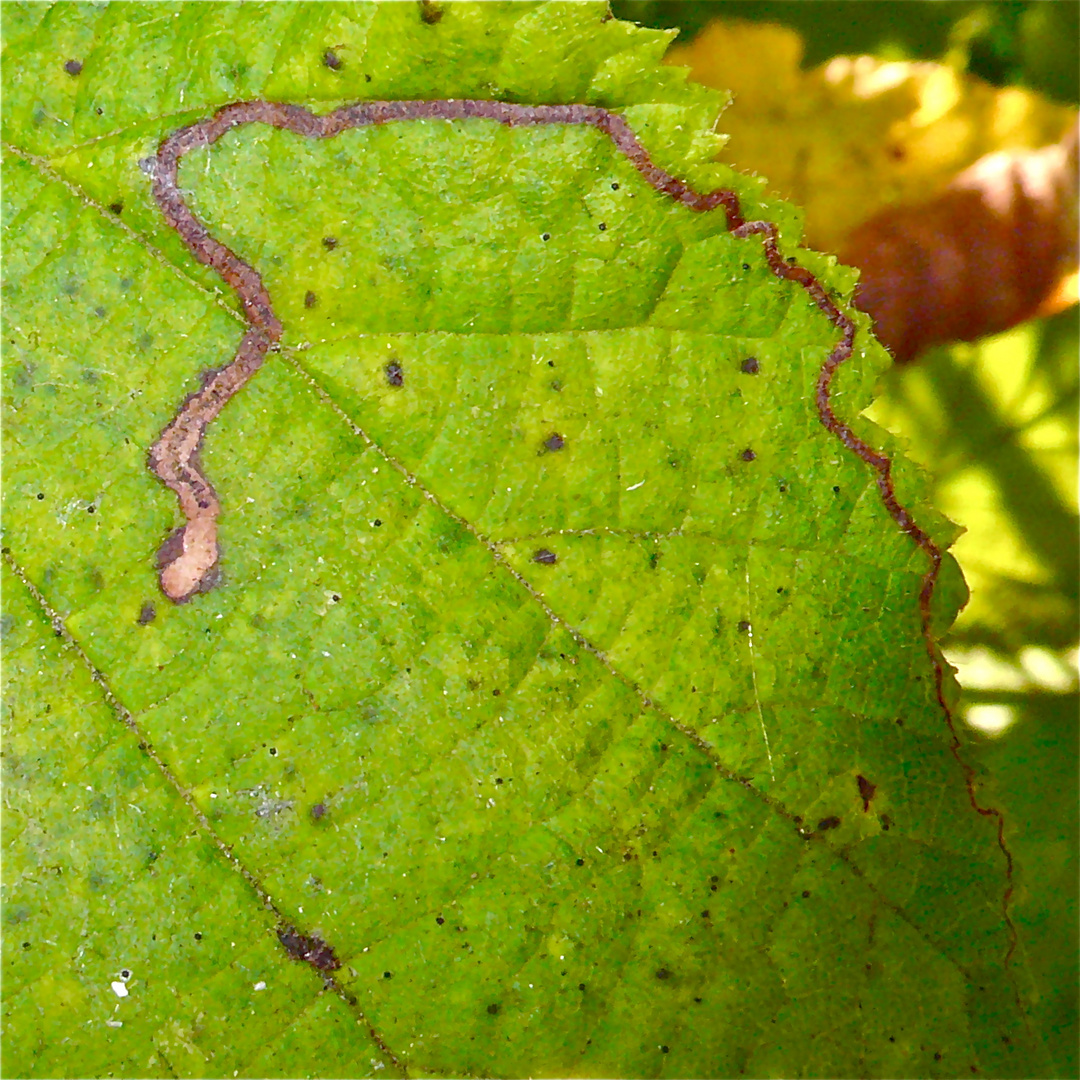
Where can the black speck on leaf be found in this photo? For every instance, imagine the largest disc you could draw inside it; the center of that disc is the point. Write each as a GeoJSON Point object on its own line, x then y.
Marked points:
{"type": "Point", "coordinates": [332, 60]}
{"type": "Point", "coordinates": [750, 366]}
{"type": "Point", "coordinates": [545, 557]}
{"type": "Point", "coordinates": [748, 455]}
{"type": "Point", "coordinates": [73, 67]}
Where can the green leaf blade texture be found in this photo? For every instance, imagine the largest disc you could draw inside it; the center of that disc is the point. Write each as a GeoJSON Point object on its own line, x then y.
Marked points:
{"type": "Point", "coordinates": [596, 815]}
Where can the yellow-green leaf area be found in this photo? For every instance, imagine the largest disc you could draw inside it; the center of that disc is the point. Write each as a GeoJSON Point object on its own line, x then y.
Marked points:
{"type": "Point", "coordinates": [557, 640]}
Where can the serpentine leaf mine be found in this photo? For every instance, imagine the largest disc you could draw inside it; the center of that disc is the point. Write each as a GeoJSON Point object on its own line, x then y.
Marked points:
{"type": "Point", "coordinates": [188, 558]}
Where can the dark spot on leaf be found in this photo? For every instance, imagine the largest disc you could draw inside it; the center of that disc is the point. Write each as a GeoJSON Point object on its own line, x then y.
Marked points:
{"type": "Point", "coordinates": [273, 751]}
{"type": "Point", "coordinates": [387, 975]}
{"type": "Point", "coordinates": [828, 823]}
{"type": "Point", "coordinates": [496, 693]}
{"type": "Point", "coordinates": [545, 557]}
{"type": "Point", "coordinates": [664, 1050]}
{"type": "Point", "coordinates": [554, 441]}
{"type": "Point", "coordinates": [329, 242]}
{"type": "Point", "coordinates": [743, 627]}
{"type": "Point", "coordinates": [147, 614]}
{"type": "Point", "coordinates": [493, 1010]}
{"type": "Point", "coordinates": [395, 373]}
{"type": "Point", "coordinates": [331, 60]}
{"type": "Point", "coordinates": [750, 366]}
{"type": "Point", "coordinates": [579, 862]}
{"type": "Point", "coordinates": [866, 791]}
{"type": "Point", "coordinates": [100, 312]}
{"type": "Point", "coordinates": [602, 226]}
{"type": "Point", "coordinates": [116, 207]}
{"type": "Point", "coordinates": [310, 299]}
{"type": "Point", "coordinates": [654, 560]}
{"type": "Point", "coordinates": [311, 950]}
{"type": "Point", "coordinates": [836, 489]}
{"type": "Point", "coordinates": [545, 236]}
{"type": "Point", "coordinates": [41, 495]}
{"type": "Point", "coordinates": [937, 1057]}
{"type": "Point", "coordinates": [377, 523]}
{"type": "Point", "coordinates": [318, 811]}
{"type": "Point", "coordinates": [663, 973]}
{"type": "Point", "coordinates": [614, 186]}
{"type": "Point", "coordinates": [581, 986]}
{"type": "Point", "coordinates": [748, 455]}
{"type": "Point", "coordinates": [439, 919]}
{"type": "Point", "coordinates": [746, 266]}
{"type": "Point", "coordinates": [91, 509]}
{"type": "Point", "coordinates": [886, 822]}
{"type": "Point", "coordinates": [198, 936]}
{"type": "Point", "coordinates": [430, 12]}
{"type": "Point", "coordinates": [73, 67]}
{"type": "Point", "coordinates": [805, 894]}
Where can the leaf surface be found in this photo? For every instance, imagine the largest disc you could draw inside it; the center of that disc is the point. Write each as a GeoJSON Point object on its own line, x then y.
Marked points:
{"type": "Point", "coordinates": [614, 753]}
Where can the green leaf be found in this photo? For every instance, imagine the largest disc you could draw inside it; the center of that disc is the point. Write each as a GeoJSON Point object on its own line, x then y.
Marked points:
{"type": "Point", "coordinates": [680, 800]}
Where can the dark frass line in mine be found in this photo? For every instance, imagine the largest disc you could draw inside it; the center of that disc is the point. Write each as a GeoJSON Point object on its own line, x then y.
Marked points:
{"type": "Point", "coordinates": [188, 560]}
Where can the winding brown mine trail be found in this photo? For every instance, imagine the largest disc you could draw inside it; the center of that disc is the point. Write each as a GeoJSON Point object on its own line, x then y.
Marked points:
{"type": "Point", "coordinates": [188, 559]}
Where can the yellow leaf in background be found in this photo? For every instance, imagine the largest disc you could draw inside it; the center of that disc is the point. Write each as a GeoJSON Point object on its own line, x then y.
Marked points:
{"type": "Point", "coordinates": [856, 135]}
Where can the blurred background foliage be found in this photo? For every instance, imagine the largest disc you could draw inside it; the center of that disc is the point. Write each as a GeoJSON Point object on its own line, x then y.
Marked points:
{"type": "Point", "coordinates": [994, 422]}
